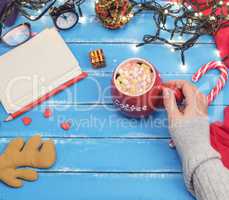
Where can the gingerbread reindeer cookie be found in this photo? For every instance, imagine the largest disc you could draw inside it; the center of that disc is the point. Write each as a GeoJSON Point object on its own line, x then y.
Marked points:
{"type": "Point", "coordinates": [35, 154]}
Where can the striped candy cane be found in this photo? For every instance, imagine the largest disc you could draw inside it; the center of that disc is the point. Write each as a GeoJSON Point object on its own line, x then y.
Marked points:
{"type": "Point", "coordinates": [219, 86]}
{"type": "Point", "coordinates": [220, 83]}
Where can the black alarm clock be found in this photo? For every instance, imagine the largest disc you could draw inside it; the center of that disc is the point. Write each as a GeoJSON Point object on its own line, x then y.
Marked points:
{"type": "Point", "coordinates": [65, 17]}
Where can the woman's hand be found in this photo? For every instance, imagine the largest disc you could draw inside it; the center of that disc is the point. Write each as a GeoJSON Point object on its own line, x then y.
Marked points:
{"type": "Point", "coordinates": [195, 105]}
{"type": "Point", "coordinates": [189, 128]}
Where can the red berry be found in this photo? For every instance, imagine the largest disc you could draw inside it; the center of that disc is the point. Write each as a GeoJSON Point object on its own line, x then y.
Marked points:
{"type": "Point", "coordinates": [26, 121]}
{"type": "Point", "coordinates": [47, 113]}
{"type": "Point", "coordinates": [66, 126]}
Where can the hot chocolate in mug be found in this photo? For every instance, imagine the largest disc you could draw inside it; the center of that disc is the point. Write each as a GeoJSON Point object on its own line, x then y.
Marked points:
{"type": "Point", "coordinates": [137, 88]}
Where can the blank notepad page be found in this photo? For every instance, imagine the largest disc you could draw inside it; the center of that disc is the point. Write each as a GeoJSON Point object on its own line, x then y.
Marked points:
{"type": "Point", "coordinates": [35, 68]}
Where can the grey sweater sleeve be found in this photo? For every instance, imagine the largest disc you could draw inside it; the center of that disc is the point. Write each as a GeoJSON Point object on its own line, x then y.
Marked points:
{"type": "Point", "coordinates": [204, 174]}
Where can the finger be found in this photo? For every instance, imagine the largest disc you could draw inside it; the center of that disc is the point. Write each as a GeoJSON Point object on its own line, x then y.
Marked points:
{"type": "Point", "coordinates": [26, 174]}
{"type": "Point", "coordinates": [189, 91]}
{"type": "Point", "coordinates": [201, 104]}
{"type": "Point", "coordinates": [170, 103]}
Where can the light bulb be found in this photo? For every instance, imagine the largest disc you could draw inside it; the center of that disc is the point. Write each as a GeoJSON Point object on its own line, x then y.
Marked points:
{"type": "Point", "coordinates": [124, 18]}
{"type": "Point", "coordinates": [200, 14]}
{"type": "Point", "coordinates": [83, 20]}
{"type": "Point", "coordinates": [167, 45]}
{"type": "Point", "coordinates": [134, 48]}
{"type": "Point", "coordinates": [212, 18]}
{"type": "Point", "coordinates": [184, 67]}
{"type": "Point", "coordinates": [217, 53]}
{"type": "Point", "coordinates": [39, 11]}
{"type": "Point", "coordinates": [220, 3]}
{"type": "Point", "coordinates": [131, 15]}
{"type": "Point", "coordinates": [166, 11]}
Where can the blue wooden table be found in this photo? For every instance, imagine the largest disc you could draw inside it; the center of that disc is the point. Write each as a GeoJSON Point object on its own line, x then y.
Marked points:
{"type": "Point", "coordinates": [105, 155]}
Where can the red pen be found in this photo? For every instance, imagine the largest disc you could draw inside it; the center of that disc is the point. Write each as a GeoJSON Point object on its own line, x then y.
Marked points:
{"type": "Point", "coordinates": [45, 97]}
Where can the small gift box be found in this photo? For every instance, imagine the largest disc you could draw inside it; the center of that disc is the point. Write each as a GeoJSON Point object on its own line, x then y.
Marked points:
{"type": "Point", "coordinates": [97, 58]}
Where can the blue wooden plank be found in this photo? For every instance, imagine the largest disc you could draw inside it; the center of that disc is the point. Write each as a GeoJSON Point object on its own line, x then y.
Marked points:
{"type": "Point", "coordinates": [96, 89]}
{"type": "Point", "coordinates": [113, 155]}
{"type": "Point", "coordinates": [159, 55]}
{"type": "Point", "coordinates": [129, 149]}
{"type": "Point", "coordinates": [101, 187]}
{"type": "Point", "coordinates": [92, 121]}
{"type": "Point", "coordinates": [88, 7]}
{"type": "Point", "coordinates": [90, 30]}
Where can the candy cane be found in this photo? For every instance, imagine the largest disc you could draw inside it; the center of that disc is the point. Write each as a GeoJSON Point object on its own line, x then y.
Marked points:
{"type": "Point", "coordinates": [220, 83]}
{"type": "Point", "coordinates": [219, 86]}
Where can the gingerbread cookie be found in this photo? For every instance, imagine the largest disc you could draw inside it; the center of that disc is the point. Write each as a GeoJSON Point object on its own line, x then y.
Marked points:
{"type": "Point", "coordinates": [35, 153]}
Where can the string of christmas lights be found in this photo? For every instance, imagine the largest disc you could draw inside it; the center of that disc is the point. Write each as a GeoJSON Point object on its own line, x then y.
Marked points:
{"type": "Point", "coordinates": [187, 19]}
{"type": "Point", "coordinates": [11, 6]}
{"type": "Point", "coordinates": [32, 4]}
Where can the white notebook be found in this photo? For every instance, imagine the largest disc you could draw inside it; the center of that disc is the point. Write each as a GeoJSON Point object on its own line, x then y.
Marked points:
{"type": "Point", "coordinates": [34, 69]}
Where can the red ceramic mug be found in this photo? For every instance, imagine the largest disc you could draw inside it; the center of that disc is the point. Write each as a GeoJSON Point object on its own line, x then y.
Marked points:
{"type": "Point", "coordinates": [144, 103]}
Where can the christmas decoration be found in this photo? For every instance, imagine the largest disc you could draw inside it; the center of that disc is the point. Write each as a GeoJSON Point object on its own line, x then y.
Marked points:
{"type": "Point", "coordinates": [190, 18]}
{"type": "Point", "coordinates": [47, 113]}
{"type": "Point", "coordinates": [65, 125]}
{"type": "Point", "coordinates": [34, 9]}
{"type": "Point", "coordinates": [114, 13]}
{"type": "Point", "coordinates": [32, 4]}
{"type": "Point", "coordinates": [222, 44]}
{"type": "Point", "coordinates": [35, 153]}
{"type": "Point", "coordinates": [8, 13]}
{"type": "Point", "coordinates": [9, 9]}
{"type": "Point", "coordinates": [97, 58]}
{"type": "Point", "coordinates": [26, 121]}
{"type": "Point", "coordinates": [221, 82]}
{"type": "Point", "coordinates": [219, 137]}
